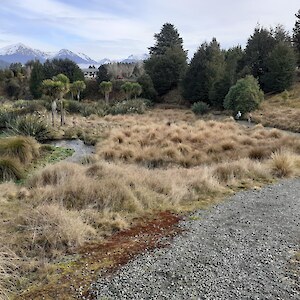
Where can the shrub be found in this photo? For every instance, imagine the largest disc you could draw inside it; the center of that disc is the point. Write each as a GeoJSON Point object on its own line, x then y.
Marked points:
{"type": "Point", "coordinates": [133, 106]}
{"type": "Point", "coordinates": [200, 108]}
{"type": "Point", "coordinates": [10, 169]}
{"type": "Point", "coordinates": [73, 106]}
{"type": "Point", "coordinates": [100, 109]}
{"type": "Point", "coordinates": [30, 106]}
{"type": "Point", "coordinates": [244, 96]}
{"type": "Point", "coordinates": [22, 148]}
{"type": "Point", "coordinates": [6, 117]}
{"type": "Point", "coordinates": [30, 126]}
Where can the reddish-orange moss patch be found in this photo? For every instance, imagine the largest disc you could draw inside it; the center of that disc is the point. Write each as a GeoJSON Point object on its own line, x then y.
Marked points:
{"type": "Point", "coordinates": [72, 280]}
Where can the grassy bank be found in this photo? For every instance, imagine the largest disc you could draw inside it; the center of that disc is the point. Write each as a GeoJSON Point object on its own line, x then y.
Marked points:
{"type": "Point", "coordinates": [281, 110]}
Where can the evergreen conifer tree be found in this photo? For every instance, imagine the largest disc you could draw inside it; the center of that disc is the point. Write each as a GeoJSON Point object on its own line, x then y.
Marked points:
{"type": "Point", "coordinates": [167, 63]}
{"type": "Point", "coordinates": [296, 36]}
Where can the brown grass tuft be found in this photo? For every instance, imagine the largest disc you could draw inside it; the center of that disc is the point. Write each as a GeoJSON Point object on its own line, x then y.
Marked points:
{"type": "Point", "coordinates": [283, 164]}
{"type": "Point", "coordinates": [53, 229]}
{"type": "Point", "coordinates": [25, 149]}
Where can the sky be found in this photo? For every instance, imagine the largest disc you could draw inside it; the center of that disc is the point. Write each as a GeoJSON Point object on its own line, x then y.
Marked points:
{"type": "Point", "coordinates": [116, 29]}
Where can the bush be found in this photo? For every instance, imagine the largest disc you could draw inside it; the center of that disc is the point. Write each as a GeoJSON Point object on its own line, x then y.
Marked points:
{"type": "Point", "coordinates": [100, 109]}
{"type": "Point", "coordinates": [200, 108]}
{"type": "Point", "coordinates": [19, 147]}
{"type": "Point", "coordinates": [73, 106]}
{"type": "Point", "coordinates": [6, 117]}
{"type": "Point", "coordinates": [30, 106]}
{"type": "Point", "coordinates": [133, 106]}
{"type": "Point", "coordinates": [244, 96]}
{"type": "Point", "coordinates": [30, 126]}
{"type": "Point", "coordinates": [10, 169]}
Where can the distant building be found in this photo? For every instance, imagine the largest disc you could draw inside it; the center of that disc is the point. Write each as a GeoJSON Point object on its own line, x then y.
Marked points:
{"type": "Point", "coordinates": [90, 72]}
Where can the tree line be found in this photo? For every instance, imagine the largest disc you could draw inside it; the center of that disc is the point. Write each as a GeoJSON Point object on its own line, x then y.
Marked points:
{"type": "Point", "coordinates": [270, 57]}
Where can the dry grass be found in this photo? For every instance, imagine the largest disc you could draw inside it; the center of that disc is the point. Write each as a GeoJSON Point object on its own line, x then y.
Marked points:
{"type": "Point", "coordinates": [285, 164]}
{"type": "Point", "coordinates": [163, 160]}
{"type": "Point", "coordinates": [7, 269]}
{"type": "Point", "coordinates": [53, 229]}
{"type": "Point", "coordinates": [281, 110]}
{"type": "Point", "coordinates": [163, 145]}
{"type": "Point", "coordinates": [25, 149]}
{"type": "Point", "coordinates": [10, 169]}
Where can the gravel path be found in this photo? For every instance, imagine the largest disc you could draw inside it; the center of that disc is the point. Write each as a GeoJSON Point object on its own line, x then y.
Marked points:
{"type": "Point", "coordinates": [239, 249]}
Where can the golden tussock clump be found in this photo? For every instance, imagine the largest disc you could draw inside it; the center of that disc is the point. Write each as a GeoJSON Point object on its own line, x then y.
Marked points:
{"type": "Point", "coordinates": [54, 228]}
{"type": "Point", "coordinates": [284, 164]}
{"type": "Point", "coordinates": [25, 149]}
{"type": "Point", "coordinates": [191, 145]}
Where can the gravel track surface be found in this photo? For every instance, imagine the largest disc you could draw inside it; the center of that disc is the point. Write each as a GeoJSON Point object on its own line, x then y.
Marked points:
{"type": "Point", "coordinates": [239, 249]}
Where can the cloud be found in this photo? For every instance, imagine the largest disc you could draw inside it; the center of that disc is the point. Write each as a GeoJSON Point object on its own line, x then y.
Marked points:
{"type": "Point", "coordinates": [118, 28]}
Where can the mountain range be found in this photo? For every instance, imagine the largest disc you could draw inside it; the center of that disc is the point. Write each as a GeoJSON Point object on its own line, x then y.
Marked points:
{"type": "Point", "coordinates": [19, 53]}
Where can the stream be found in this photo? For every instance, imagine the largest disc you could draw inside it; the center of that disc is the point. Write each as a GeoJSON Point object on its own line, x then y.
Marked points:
{"type": "Point", "coordinates": [81, 150]}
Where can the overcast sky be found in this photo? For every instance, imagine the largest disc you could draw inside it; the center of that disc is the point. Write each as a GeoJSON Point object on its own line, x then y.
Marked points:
{"type": "Point", "coordinates": [116, 28]}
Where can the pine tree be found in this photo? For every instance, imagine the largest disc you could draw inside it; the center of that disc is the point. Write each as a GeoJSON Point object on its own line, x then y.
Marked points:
{"type": "Point", "coordinates": [281, 66]}
{"type": "Point", "coordinates": [167, 63]}
{"type": "Point", "coordinates": [296, 36]}
{"type": "Point", "coordinates": [146, 83]}
{"type": "Point", "coordinates": [233, 64]}
{"type": "Point", "coordinates": [36, 79]}
{"type": "Point", "coordinates": [258, 48]}
{"type": "Point", "coordinates": [206, 68]}
{"type": "Point", "coordinates": [102, 74]}
{"type": "Point", "coordinates": [167, 38]}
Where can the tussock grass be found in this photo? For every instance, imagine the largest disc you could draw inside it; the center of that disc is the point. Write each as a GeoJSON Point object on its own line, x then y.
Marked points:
{"type": "Point", "coordinates": [162, 160]}
{"type": "Point", "coordinates": [279, 111]}
{"type": "Point", "coordinates": [25, 149]}
{"type": "Point", "coordinates": [7, 269]}
{"type": "Point", "coordinates": [54, 229]}
{"type": "Point", "coordinates": [10, 169]}
{"type": "Point", "coordinates": [284, 164]}
{"type": "Point", "coordinates": [163, 145]}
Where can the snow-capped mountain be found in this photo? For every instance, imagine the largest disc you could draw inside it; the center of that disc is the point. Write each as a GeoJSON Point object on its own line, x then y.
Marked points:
{"type": "Point", "coordinates": [79, 58]}
{"type": "Point", "coordinates": [22, 54]}
{"type": "Point", "coordinates": [104, 61]}
{"type": "Point", "coordinates": [135, 58]}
